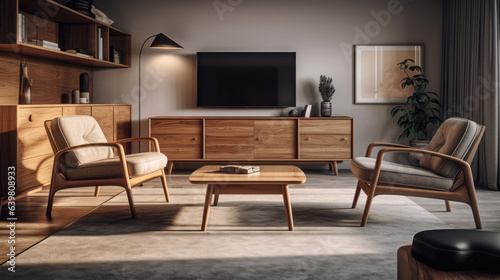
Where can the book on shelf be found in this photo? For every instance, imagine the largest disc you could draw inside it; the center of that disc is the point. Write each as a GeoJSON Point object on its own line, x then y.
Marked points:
{"type": "Point", "coordinates": [45, 44]}
{"type": "Point", "coordinates": [100, 43]}
{"type": "Point", "coordinates": [21, 31]}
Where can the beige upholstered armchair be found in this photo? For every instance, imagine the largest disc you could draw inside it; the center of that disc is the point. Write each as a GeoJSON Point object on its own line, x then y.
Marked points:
{"type": "Point", "coordinates": [84, 158]}
{"type": "Point", "coordinates": [444, 171]}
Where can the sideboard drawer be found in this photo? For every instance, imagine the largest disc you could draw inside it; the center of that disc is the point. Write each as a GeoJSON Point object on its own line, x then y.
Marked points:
{"type": "Point", "coordinates": [325, 146]}
{"type": "Point", "coordinates": [159, 126]}
{"type": "Point", "coordinates": [181, 146]}
{"type": "Point", "coordinates": [35, 117]}
{"type": "Point", "coordinates": [325, 127]}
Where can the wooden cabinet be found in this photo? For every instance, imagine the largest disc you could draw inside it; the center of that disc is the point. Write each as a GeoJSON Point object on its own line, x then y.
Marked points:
{"type": "Point", "coordinates": [179, 139]}
{"type": "Point", "coordinates": [259, 139]}
{"type": "Point", "coordinates": [229, 139]}
{"type": "Point", "coordinates": [323, 139]}
{"type": "Point", "coordinates": [275, 139]}
{"type": "Point", "coordinates": [51, 21]}
{"type": "Point", "coordinates": [24, 144]}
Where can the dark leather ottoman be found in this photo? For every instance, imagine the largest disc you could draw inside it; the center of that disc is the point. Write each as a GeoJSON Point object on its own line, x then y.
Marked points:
{"type": "Point", "coordinates": [451, 254]}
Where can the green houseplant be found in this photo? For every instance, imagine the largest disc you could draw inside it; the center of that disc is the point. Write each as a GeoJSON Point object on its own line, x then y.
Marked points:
{"type": "Point", "coordinates": [326, 89]}
{"type": "Point", "coordinates": [421, 108]}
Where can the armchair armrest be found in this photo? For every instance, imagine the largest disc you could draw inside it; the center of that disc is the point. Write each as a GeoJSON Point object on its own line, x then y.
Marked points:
{"type": "Point", "coordinates": [156, 145]}
{"type": "Point", "coordinates": [379, 144]}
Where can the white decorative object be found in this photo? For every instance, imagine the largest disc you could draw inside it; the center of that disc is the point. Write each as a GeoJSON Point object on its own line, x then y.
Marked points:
{"type": "Point", "coordinates": [26, 83]}
{"type": "Point", "coordinates": [84, 97]}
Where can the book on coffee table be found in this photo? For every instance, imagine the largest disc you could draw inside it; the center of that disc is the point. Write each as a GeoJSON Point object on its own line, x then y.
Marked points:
{"type": "Point", "coordinates": [239, 169]}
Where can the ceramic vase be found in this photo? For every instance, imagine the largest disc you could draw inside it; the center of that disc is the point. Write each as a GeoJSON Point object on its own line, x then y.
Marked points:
{"type": "Point", "coordinates": [326, 109]}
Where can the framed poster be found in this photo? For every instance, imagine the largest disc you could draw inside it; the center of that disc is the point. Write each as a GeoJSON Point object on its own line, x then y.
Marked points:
{"type": "Point", "coordinates": [377, 75]}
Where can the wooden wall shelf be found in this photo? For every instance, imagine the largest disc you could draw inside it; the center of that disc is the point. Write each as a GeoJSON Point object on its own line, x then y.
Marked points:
{"type": "Point", "coordinates": [60, 24]}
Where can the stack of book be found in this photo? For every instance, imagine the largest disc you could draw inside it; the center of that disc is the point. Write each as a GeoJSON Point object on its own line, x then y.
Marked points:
{"type": "Point", "coordinates": [45, 44]}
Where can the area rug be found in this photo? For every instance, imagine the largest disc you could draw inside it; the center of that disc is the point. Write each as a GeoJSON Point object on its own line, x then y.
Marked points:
{"type": "Point", "coordinates": [247, 236]}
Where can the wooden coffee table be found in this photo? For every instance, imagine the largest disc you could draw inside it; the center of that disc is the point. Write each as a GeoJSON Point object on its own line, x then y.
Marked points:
{"type": "Point", "coordinates": [272, 179]}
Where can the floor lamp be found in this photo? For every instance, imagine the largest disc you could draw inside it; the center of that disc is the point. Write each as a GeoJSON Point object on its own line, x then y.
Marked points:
{"type": "Point", "coordinates": [160, 42]}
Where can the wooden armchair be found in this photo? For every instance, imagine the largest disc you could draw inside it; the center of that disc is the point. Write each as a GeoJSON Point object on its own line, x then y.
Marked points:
{"type": "Point", "coordinates": [444, 171]}
{"type": "Point", "coordinates": [84, 158]}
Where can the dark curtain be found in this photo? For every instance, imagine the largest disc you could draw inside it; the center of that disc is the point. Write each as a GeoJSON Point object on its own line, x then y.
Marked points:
{"type": "Point", "coordinates": [470, 76]}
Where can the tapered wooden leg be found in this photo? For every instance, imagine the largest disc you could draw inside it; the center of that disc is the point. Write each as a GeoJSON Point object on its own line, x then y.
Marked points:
{"type": "Point", "coordinates": [206, 209]}
{"type": "Point", "coordinates": [216, 199]}
{"type": "Point", "coordinates": [448, 206]}
{"type": "Point", "coordinates": [288, 206]}
{"type": "Point", "coordinates": [128, 189]}
{"type": "Point", "coordinates": [368, 204]}
{"type": "Point", "coordinates": [52, 190]}
{"type": "Point", "coordinates": [164, 184]}
{"type": "Point", "coordinates": [51, 201]}
{"type": "Point", "coordinates": [96, 191]}
{"type": "Point", "coordinates": [334, 166]}
{"type": "Point", "coordinates": [170, 166]}
{"type": "Point", "coordinates": [474, 207]}
{"type": "Point", "coordinates": [356, 196]}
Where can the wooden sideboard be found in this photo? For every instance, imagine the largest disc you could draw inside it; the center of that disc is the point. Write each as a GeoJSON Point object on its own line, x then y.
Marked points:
{"type": "Point", "coordinates": [243, 140]}
{"type": "Point", "coordinates": [25, 146]}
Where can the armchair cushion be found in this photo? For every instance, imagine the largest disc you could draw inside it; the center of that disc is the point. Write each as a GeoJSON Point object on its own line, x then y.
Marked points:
{"type": "Point", "coordinates": [455, 137]}
{"type": "Point", "coordinates": [137, 164]}
{"type": "Point", "coordinates": [399, 174]}
{"type": "Point", "coordinates": [71, 131]}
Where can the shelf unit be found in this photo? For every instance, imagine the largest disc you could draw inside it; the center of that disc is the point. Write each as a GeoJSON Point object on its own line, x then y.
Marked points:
{"type": "Point", "coordinates": [51, 21]}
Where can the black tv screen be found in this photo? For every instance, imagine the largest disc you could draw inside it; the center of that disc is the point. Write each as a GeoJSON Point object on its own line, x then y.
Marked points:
{"type": "Point", "coordinates": [246, 79]}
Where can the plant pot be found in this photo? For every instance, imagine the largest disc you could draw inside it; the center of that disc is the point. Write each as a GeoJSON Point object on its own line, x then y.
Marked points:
{"type": "Point", "coordinates": [419, 144]}
{"type": "Point", "coordinates": [326, 109]}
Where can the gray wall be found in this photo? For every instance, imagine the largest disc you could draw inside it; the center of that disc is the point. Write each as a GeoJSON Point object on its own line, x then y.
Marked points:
{"type": "Point", "coordinates": [322, 33]}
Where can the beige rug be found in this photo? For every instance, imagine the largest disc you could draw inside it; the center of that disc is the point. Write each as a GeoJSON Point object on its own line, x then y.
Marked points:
{"type": "Point", "coordinates": [247, 236]}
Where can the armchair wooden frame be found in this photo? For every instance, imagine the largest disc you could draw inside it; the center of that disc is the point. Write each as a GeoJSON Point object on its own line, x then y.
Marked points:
{"type": "Point", "coordinates": [461, 191]}
{"type": "Point", "coordinates": [60, 182]}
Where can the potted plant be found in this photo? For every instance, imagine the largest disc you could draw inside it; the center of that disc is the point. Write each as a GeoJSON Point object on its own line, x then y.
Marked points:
{"type": "Point", "coordinates": [326, 89]}
{"type": "Point", "coordinates": [422, 107]}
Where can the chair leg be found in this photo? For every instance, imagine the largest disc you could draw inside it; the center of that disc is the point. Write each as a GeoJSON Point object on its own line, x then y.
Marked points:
{"type": "Point", "coordinates": [51, 200]}
{"type": "Point", "coordinates": [474, 207]}
{"type": "Point", "coordinates": [96, 192]}
{"type": "Point", "coordinates": [448, 206]}
{"type": "Point", "coordinates": [356, 196]}
{"type": "Point", "coordinates": [368, 204]}
{"type": "Point", "coordinates": [164, 183]}
{"type": "Point", "coordinates": [128, 189]}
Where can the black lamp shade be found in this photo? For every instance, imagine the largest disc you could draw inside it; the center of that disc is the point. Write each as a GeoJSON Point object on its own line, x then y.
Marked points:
{"type": "Point", "coordinates": [163, 42]}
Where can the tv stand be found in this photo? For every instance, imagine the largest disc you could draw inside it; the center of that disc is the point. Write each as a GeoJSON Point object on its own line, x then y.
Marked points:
{"type": "Point", "coordinates": [252, 140]}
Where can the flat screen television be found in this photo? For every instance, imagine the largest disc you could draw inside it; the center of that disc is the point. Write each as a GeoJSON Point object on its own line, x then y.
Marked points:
{"type": "Point", "coordinates": [246, 79]}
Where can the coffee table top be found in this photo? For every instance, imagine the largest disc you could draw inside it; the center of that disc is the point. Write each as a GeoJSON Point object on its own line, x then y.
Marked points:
{"type": "Point", "coordinates": [269, 174]}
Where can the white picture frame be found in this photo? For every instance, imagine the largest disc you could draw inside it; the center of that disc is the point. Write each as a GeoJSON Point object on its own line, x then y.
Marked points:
{"type": "Point", "coordinates": [377, 75]}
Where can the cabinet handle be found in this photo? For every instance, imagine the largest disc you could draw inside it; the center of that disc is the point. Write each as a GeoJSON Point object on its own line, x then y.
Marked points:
{"type": "Point", "coordinates": [307, 139]}
{"type": "Point", "coordinates": [256, 138]}
{"type": "Point", "coordinates": [31, 118]}
{"type": "Point", "coordinates": [194, 139]}
{"type": "Point", "coordinates": [343, 139]}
